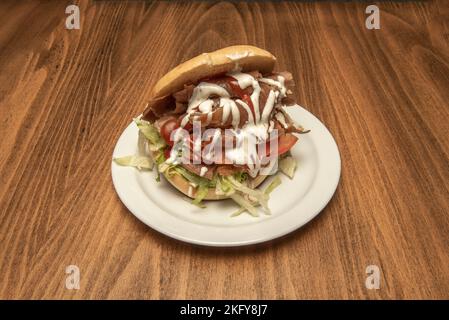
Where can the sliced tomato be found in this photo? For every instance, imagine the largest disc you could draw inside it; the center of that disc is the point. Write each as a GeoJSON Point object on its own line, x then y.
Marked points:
{"type": "Point", "coordinates": [167, 128]}
{"type": "Point", "coordinates": [188, 126]}
{"type": "Point", "coordinates": [167, 153]}
{"type": "Point", "coordinates": [286, 142]}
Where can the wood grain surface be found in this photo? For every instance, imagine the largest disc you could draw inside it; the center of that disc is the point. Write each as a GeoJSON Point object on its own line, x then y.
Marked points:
{"type": "Point", "coordinates": [66, 96]}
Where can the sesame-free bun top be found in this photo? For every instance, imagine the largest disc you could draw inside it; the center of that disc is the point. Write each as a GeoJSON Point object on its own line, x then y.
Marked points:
{"type": "Point", "coordinates": [241, 57]}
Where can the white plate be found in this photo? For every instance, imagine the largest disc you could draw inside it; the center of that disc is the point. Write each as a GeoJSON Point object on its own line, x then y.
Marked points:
{"type": "Point", "coordinates": [294, 203]}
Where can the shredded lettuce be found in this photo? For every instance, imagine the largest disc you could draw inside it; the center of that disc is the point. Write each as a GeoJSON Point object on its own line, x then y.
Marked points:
{"type": "Point", "coordinates": [287, 166]}
{"type": "Point", "coordinates": [142, 160]}
{"type": "Point", "coordinates": [138, 162]}
{"type": "Point", "coordinates": [241, 176]}
{"type": "Point", "coordinates": [244, 189]}
{"type": "Point", "coordinates": [192, 178]}
{"type": "Point", "coordinates": [143, 146]}
{"type": "Point", "coordinates": [155, 143]}
{"type": "Point", "coordinates": [151, 133]}
{"type": "Point", "coordinates": [199, 205]}
{"type": "Point", "coordinates": [202, 184]}
{"type": "Point", "coordinates": [246, 204]}
{"type": "Point", "coordinates": [273, 184]}
{"type": "Point", "coordinates": [201, 193]}
{"type": "Point", "coordinates": [251, 194]}
{"type": "Point", "coordinates": [150, 139]}
{"type": "Point", "coordinates": [159, 159]}
{"type": "Point", "coordinates": [276, 182]}
{"type": "Point", "coordinates": [223, 187]}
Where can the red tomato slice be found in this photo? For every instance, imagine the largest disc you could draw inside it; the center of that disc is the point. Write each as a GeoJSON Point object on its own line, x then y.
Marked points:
{"type": "Point", "coordinates": [167, 153]}
{"type": "Point", "coordinates": [188, 126]}
{"type": "Point", "coordinates": [285, 143]}
{"type": "Point", "coordinates": [167, 128]}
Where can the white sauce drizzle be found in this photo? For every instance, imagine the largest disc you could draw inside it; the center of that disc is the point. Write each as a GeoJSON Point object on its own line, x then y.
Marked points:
{"type": "Point", "coordinates": [200, 99]}
{"type": "Point", "coordinates": [209, 156]}
{"type": "Point", "coordinates": [269, 104]}
{"type": "Point", "coordinates": [258, 125]}
{"type": "Point", "coordinates": [186, 119]}
{"type": "Point", "coordinates": [237, 56]}
{"type": "Point", "coordinates": [280, 84]}
{"type": "Point", "coordinates": [172, 158]}
{"type": "Point", "coordinates": [248, 111]}
{"type": "Point", "coordinates": [203, 91]}
{"type": "Point", "coordinates": [235, 115]}
{"type": "Point", "coordinates": [206, 106]}
{"type": "Point", "coordinates": [271, 127]}
{"type": "Point", "coordinates": [281, 118]}
{"type": "Point", "coordinates": [245, 80]}
{"type": "Point", "coordinates": [203, 171]}
{"type": "Point", "coordinates": [229, 107]}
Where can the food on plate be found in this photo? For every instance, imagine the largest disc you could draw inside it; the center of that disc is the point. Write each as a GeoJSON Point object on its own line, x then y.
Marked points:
{"type": "Point", "coordinates": [216, 127]}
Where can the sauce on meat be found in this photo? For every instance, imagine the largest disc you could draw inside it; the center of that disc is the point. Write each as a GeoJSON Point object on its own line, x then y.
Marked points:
{"type": "Point", "coordinates": [258, 126]}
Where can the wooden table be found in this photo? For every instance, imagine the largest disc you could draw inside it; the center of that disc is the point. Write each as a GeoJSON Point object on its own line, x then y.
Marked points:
{"type": "Point", "coordinates": [66, 95]}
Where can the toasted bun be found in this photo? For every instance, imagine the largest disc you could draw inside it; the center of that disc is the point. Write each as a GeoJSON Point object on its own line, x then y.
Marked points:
{"type": "Point", "coordinates": [246, 58]}
{"type": "Point", "coordinates": [183, 185]}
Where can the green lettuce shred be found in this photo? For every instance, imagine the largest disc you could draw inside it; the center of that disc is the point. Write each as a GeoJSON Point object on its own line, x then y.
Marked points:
{"type": "Point", "coordinates": [223, 187]}
{"type": "Point", "coordinates": [287, 166]}
{"type": "Point", "coordinates": [159, 159]}
{"type": "Point", "coordinates": [253, 195]}
{"type": "Point", "coordinates": [246, 204]}
{"type": "Point", "coordinates": [202, 184]}
{"type": "Point", "coordinates": [138, 162]}
{"type": "Point", "coordinates": [148, 136]}
{"type": "Point", "coordinates": [241, 176]}
{"type": "Point", "coordinates": [276, 182]}
{"type": "Point", "coordinates": [151, 133]}
{"type": "Point", "coordinates": [192, 178]}
{"type": "Point", "coordinates": [273, 185]}
{"type": "Point", "coordinates": [201, 193]}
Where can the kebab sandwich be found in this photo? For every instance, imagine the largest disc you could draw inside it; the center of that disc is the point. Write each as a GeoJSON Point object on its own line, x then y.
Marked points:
{"type": "Point", "coordinates": [216, 126]}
